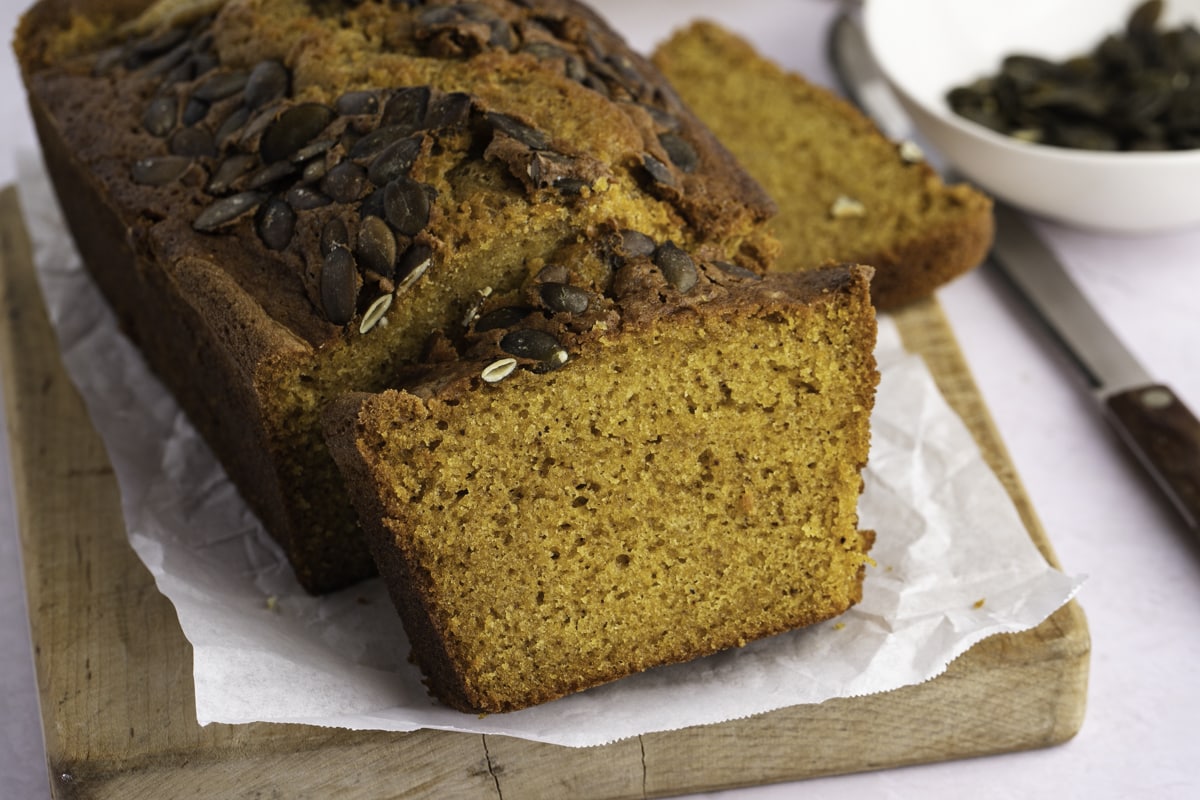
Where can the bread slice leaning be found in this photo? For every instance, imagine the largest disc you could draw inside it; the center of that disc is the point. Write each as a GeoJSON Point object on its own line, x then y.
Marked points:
{"type": "Point", "coordinates": [845, 192]}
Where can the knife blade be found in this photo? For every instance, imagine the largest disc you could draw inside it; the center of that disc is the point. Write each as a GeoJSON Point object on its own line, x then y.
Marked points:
{"type": "Point", "coordinates": [1148, 416]}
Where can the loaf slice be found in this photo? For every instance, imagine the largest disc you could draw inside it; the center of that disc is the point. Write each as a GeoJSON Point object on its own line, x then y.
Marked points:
{"type": "Point", "coordinates": [283, 199]}
{"type": "Point", "coordinates": [845, 192]}
{"type": "Point", "coordinates": [687, 481]}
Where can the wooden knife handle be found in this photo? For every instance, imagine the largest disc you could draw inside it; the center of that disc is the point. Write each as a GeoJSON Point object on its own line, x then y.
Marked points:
{"type": "Point", "coordinates": [1165, 435]}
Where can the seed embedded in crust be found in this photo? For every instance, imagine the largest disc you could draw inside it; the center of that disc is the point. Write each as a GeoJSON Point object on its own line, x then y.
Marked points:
{"type": "Point", "coordinates": [406, 109]}
{"type": "Point", "coordinates": [406, 205]}
{"type": "Point", "coordinates": [294, 129]}
{"type": "Point", "coordinates": [333, 235]}
{"type": "Point", "coordinates": [394, 161]}
{"type": "Point", "coordinates": [636, 244]}
{"type": "Point", "coordinates": [270, 174]}
{"type": "Point", "coordinates": [535, 345]}
{"type": "Point", "coordinates": [195, 111]}
{"type": "Point", "coordinates": [339, 286]}
{"type": "Point", "coordinates": [232, 124]}
{"type": "Point", "coordinates": [680, 151]}
{"type": "Point", "coordinates": [268, 81]}
{"type": "Point", "coordinates": [676, 266]}
{"type": "Point", "coordinates": [353, 104]}
{"type": "Point", "coordinates": [276, 223]}
{"type": "Point", "coordinates": [564, 297]}
{"type": "Point", "coordinates": [413, 264]}
{"type": "Point", "coordinates": [192, 142]}
{"type": "Point", "coordinates": [377, 141]}
{"type": "Point", "coordinates": [220, 86]}
{"type": "Point", "coordinates": [306, 198]}
{"type": "Point", "coordinates": [514, 129]}
{"type": "Point", "coordinates": [227, 209]}
{"type": "Point", "coordinates": [345, 182]}
{"type": "Point", "coordinates": [376, 247]}
{"type": "Point", "coordinates": [500, 318]}
{"type": "Point", "coordinates": [229, 171]}
{"type": "Point", "coordinates": [159, 170]}
{"type": "Point", "coordinates": [737, 271]}
{"type": "Point", "coordinates": [659, 171]}
{"type": "Point", "coordinates": [448, 111]}
{"type": "Point", "coordinates": [375, 313]}
{"type": "Point", "coordinates": [498, 370]}
{"type": "Point", "coordinates": [159, 117]}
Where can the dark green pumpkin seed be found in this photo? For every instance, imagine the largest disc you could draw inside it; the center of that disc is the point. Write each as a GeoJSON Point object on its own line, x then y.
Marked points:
{"type": "Point", "coordinates": [394, 161]}
{"type": "Point", "coordinates": [514, 129]}
{"type": "Point", "coordinates": [294, 129]}
{"type": "Point", "coordinates": [501, 318]}
{"type": "Point", "coordinates": [159, 170]}
{"type": "Point", "coordinates": [267, 82]}
{"type": "Point", "coordinates": [159, 117]}
{"type": "Point", "coordinates": [192, 142]}
{"type": "Point", "coordinates": [306, 198]}
{"type": "Point", "coordinates": [406, 108]}
{"type": "Point", "coordinates": [334, 235]}
{"type": "Point", "coordinates": [339, 286]}
{"type": "Point", "coordinates": [659, 171]}
{"type": "Point", "coordinates": [229, 171]}
{"type": "Point", "coordinates": [220, 86]}
{"type": "Point", "coordinates": [272, 173]}
{"type": "Point", "coordinates": [535, 345]}
{"type": "Point", "coordinates": [406, 205]}
{"type": "Point", "coordinates": [276, 222]}
{"type": "Point", "coordinates": [680, 151]}
{"type": "Point", "coordinates": [676, 266]}
{"type": "Point", "coordinates": [448, 111]}
{"type": "Point", "coordinates": [376, 247]}
{"type": "Point", "coordinates": [635, 244]}
{"type": "Point", "coordinates": [412, 265]}
{"type": "Point", "coordinates": [564, 297]}
{"type": "Point", "coordinates": [353, 104]}
{"type": "Point", "coordinates": [227, 210]}
{"type": "Point", "coordinates": [345, 182]}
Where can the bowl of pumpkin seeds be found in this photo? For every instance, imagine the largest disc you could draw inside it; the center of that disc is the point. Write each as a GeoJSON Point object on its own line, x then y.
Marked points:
{"type": "Point", "coordinates": [1086, 112]}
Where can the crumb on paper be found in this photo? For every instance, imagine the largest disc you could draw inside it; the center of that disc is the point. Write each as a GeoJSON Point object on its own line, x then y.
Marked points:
{"type": "Point", "coordinates": [979, 603]}
{"type": "Point", "coordinates": [839, 626]}
{"type": "Point", "coordinates": [273, 603]}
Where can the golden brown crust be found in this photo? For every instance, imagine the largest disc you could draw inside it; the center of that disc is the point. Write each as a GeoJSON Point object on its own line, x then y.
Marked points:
{"type": "Point", "coordinates": [542, 130]}
{"type": "Point", "coordinates": [809, 148]}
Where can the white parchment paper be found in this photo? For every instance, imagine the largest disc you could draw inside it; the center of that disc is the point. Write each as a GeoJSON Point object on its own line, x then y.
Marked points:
{"type": "Point", "coordinates": [954, 564]}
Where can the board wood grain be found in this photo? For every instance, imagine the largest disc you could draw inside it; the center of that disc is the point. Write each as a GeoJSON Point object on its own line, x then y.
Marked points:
{"type": "Point", "coordinates": [114, 669]}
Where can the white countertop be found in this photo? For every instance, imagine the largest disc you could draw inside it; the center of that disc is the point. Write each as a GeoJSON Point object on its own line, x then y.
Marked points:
{"type": "Point", "coordinates": [1103, 517]}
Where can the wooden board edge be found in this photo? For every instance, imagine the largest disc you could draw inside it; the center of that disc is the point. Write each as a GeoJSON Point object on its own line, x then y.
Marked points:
{"type": "Point", "coordinates": [1050, 677]}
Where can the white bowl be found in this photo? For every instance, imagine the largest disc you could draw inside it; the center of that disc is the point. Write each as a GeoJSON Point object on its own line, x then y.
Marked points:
{"type": "Point", "coordinates": [927, 47]}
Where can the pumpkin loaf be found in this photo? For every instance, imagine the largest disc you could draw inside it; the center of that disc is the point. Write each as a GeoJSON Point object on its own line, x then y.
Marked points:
{"type": "Point", "coordinates": [845, 192]}
{"type": "Point", "coordinates": [661, 471]}
{"type": "Point", "coordinates": [283, 200]}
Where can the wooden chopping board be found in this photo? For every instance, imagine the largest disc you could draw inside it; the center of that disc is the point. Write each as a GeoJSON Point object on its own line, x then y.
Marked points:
{"type": "Point", "coordinates": [114, 669]}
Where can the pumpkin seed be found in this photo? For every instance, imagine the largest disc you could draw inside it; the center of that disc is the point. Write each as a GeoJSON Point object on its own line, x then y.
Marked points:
{"type": "Point", "coordinates": [564, 297]}
{"type": "Point", "coordinates": [294, 129]}
{"type": "Point", "coordinates": [394, 161]}
{"type": "Point", "coordinates": [680, 151]}
{"type": "Point", "coordinates": [514, 129]}
{"type": "Point", "coordinates": [159, 117]}
{"type": "Point", "coordinates": [676, 266]}
{"type": "Point", "coordinates": [339, 286]}
{"type": "Point", "coordinates": [635, 244]}
{"type": "Point", "coordinates": [406, 205]}
{"type": "Point", "coordinates": [535, 345]}
{"type": "Point", "coordinates": [345, 182]}
{"type": "Point", "coordinates": [406, 108]}
{"type": "Point", "coordinates": [413, 264]}
{"type": "Point", "coordinates": [375, 312]}
{"type": "Point", "coordinates": [267, 82]}
{"type": "Point", "coordinates": [220, 86]}
{"type": "Point", "coordinates": [376, 247]}
{"type": "Point", "coordinates": [229, 171]}
{"type": "Point", "coordinates": [192, 142]}
{"type": "Point", "coordinates": [306, 198]}
{"type": "Point", "coordinates": [276, 222]}
{"type": "Point", "coordinates": [334, 235]}
{"type": "Point", "coordinates": [227, 210]}
{"type": "Point", "coordinates": [353, 104]}
{"type": "Point", "coordinates": [659, 171]}
{"type": "Point", "coordinates": [500, 318]}
{"type": "Point", "coordinates": [498, 370]}
{"type": "Point", "coordinates": [159, 170]}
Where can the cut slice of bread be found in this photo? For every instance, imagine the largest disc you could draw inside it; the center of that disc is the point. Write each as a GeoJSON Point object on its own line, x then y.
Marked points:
{"type": "Point", "coordinates": [845, 192]}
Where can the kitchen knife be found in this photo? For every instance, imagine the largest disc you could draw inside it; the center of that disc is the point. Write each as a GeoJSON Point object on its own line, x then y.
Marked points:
{"type": "Point", "coordinates": [1148, 416]}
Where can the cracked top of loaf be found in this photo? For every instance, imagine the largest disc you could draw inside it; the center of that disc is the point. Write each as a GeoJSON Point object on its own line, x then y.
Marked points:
{"type": "Point", "coordinates": [341, 160]}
